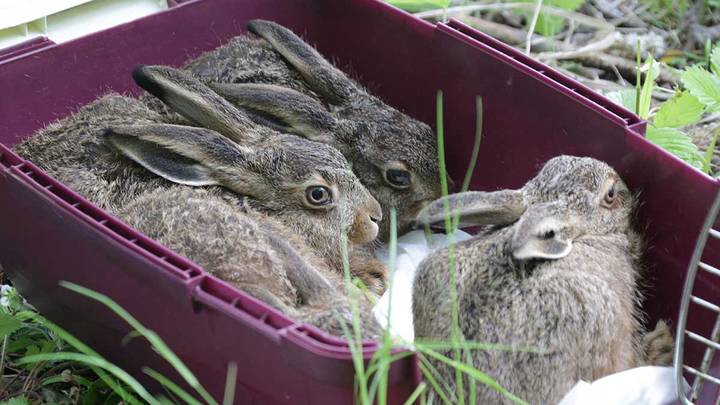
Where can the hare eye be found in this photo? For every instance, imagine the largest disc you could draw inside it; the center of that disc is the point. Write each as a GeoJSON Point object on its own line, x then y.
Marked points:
{"type": "Point", "coordinates": [318, 195]}
{"type": "Point", "coordinates": [610, 196]}
{"type": "Point", "coordinates": [398, 178]}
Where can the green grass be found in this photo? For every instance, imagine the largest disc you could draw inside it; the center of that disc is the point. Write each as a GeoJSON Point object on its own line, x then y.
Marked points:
{"type": "Point", "coordinates": [371, 375]}
{"type": "Point", "coordinates": [91, 379]}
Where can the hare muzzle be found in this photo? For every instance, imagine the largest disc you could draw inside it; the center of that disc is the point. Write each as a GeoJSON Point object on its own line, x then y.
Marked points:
{"type": "Point", "coordinates": [365, 226]}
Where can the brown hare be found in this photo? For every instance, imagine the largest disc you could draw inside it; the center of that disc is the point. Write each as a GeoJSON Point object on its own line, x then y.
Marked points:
{"type": "Point", "coordinates": [556, 271]}
{"type": "Point", "coordinates": [284, 83]}
{"type": "Point", "coordinates": [266, 211]}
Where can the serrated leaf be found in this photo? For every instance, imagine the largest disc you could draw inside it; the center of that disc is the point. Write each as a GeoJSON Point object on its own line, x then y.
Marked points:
{"type": "Point", "coordinates": [415, 6]}
{"type": "Point", "coordinates": [710, 152]}
{"type": "Point", "coordinates": [676, 142]}
{"type": "Point", "coordinates": [625, 98]}
{"type": "Point", "coordinates": [8, 324]}
{"type": "Point", "coordinates": [715, 60]}
{"type": "Point", "coordinates": [681, 110]}
{"type": "Point", "coordinates": [703, 85]}
{"type": "Point", "coordinates": [15, 401]}
{"type": "Point", "coordinates": [652, 70]}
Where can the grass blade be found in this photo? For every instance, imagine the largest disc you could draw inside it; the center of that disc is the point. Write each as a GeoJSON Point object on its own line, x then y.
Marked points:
{"type": "Point", "coordinates": [472, 345]}
{"type": "Point", "coordinates": [81, 347]}
{"type": "Point", "coordinates": [475, 374]}
{"type": "Point", "coordinates": [455, 325]}
{"type": "Point", "coordinates": [652, 70]}
{"type": "Point", "coordinates": [430, 373]}
{"type": "Point", "coordinates": [170, 385]}
{"type": "Point", "coordinates": [416, 393]}
{"type": "Point", "coordinates": [476, 144]}
{"type": "Point", "coordinates": [155, 341]}
{"type": "Point", "coordinates": [95, 362]}
{"type": "Point", "coordinates": [230, 383]}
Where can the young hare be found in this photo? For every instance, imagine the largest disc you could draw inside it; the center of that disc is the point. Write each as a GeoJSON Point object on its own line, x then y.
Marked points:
{"type": "Point", "coordinates": [284, 83]}
{"type": "Point", "coordinates": [267, 214]}
{"type": "Point", "coordinates": [557, 272]}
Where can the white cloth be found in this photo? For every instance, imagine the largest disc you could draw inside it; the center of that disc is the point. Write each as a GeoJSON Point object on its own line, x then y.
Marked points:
{"type": "Point", "coordinates": [650, 385]}
{"type": "Point", "coordinates": [411, 250]}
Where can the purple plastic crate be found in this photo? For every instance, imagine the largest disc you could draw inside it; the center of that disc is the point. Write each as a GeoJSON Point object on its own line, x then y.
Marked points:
{"type": "Point", "coordinates": [532, 113]}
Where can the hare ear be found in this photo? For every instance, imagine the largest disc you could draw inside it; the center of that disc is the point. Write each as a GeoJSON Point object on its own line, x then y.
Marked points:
{"type": "Point", "coordinates": [475, 208]}
{"type": "Point", "coordinates": [194, 100]}
{"type": "Point", "coordinates": [284, 109]}
{"type": "Point", "coordinates": [183, 155]}
{"type": "Point", "coordinates": [317, 72]}
{"type": "Point", "coordinates": [543, 232]}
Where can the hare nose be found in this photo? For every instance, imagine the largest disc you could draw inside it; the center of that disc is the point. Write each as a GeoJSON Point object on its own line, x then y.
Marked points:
{"type": "Point", "coordinates": [375, 212]}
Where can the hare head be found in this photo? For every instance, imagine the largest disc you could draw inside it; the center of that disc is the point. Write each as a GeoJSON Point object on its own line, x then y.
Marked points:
{"type": "Point", "coordinates": [571, 197]}
{"type": "Point", "coordinates": [308, 185]}
{"type": "Point", "coordinates": [394, 155]}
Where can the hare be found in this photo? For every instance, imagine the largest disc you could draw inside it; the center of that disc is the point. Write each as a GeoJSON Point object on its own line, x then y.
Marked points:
{"type": "Point", "coordinates": [298, 194]}
{"type": "Point", "coordinates": [284, 83]}
{"type": "Point", "coordinates": [556, 272]}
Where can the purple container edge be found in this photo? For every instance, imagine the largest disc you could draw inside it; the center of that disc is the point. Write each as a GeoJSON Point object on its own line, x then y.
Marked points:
{"type": "Point", "coordinates": [327, 345]}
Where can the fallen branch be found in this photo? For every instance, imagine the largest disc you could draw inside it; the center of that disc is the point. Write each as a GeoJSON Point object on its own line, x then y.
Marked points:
{"type": "Point", "coordinates": [625, 66]}
{"type": "Point", "coordinates": [514, 36]}
{"type": "Point", "coordinates": [533, 23]}
{"type": "Point", "coordinates": [607, 41]}
{"type": "Point", "coordinates": [578, 17]}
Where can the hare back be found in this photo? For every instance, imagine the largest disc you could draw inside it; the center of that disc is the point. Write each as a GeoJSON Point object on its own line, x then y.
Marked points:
{"type": "Point", "coordinates": [72, 151]}
{"type": "Point", "coordinates": [214, 232]}
{"type": "Point", "coordinates": [578, 316]}
{"type": "Point", "coordinates": [249, 250]}
{"type": "Point", "coordinates": [246, 60]}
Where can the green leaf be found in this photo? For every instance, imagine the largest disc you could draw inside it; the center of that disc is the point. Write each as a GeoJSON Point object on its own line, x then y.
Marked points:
{"type": "Point", "coordinates": [15, 401]}
{"type": "Point", "coordinates": [677, 143]}
{"type": "Point", "coordinates": [99, 362]}
{"type": "Point", "coordinates": [626, 98]}
{"type": "Point", "coordinates": [703, 85]}
{"type": "Point", "coordinates": [715, 60]}
{"type": "Point", "coordinates": [681, 110]}
{"type": "Point", "coordinates": [8, 324]}
{"type": "Point", "coordinates": [709, 152]}
{"type": "Point", "coordinates": [414, 6]}
{"type": "Point", "coordinates": [549, 25]}
{"type": "Point", "coordinates": [652, 70]}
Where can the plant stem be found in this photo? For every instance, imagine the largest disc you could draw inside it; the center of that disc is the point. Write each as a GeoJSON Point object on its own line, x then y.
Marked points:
{"type": "Point", "coordinates": [531, 29]}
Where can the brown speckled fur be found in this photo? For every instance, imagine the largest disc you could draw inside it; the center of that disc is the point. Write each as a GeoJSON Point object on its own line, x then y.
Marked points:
{"type": "Point", "coordinates": [367, 131]}
{"type": "Point", "coordinates": [581, 310]}
{"type": "Point", "coordinates": [263, 240]}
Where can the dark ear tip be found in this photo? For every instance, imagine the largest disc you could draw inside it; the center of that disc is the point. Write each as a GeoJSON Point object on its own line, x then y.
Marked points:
{"type": "Point", "coordinates": [139, 72]}
{"type": "Point", "coordinates": [115, 132]}
{"type": "Point", "coordinates": [142, 78]}
{"type": "Point", "coordinates": [255, 26]}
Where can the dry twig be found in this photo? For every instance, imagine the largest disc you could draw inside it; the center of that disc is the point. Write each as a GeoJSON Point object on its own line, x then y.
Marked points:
{"type": "Point", "coordinates": [531, 29]}
{"type": "Point", "coordinates": [578, 17]}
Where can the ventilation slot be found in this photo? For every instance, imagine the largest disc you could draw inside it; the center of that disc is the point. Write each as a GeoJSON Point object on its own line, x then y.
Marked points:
{"type": "Point", "coordinates": [704, 373]}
